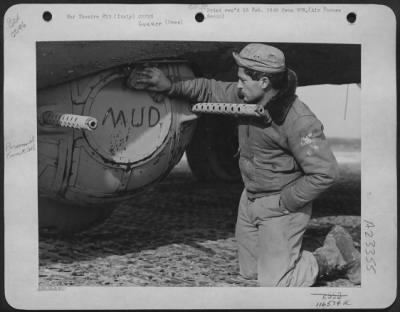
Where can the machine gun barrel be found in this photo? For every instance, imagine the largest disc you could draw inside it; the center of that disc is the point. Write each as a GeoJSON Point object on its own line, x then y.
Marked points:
{"type": "Point", "coordinates": [69, 120]}
{"type": "Point", "coordinates": [229, 109]}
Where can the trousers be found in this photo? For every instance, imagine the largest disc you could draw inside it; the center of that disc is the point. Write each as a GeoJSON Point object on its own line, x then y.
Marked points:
{"type": "Point", "coordinates": [269, 241]}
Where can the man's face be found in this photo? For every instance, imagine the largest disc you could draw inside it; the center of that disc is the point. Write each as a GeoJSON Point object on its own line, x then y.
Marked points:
{"type": "Point", "coordinates": [251, 91]}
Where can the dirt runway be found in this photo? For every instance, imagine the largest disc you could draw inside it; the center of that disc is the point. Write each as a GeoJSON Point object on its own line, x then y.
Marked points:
{"type": "Point", "coordinates": [181, 233]}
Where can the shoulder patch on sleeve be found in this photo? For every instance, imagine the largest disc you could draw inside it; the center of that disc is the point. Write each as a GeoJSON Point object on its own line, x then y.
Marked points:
{"type": "Point", "coordinates": [310, 141]}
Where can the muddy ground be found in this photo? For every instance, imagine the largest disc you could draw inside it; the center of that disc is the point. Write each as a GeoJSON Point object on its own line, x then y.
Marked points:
{"type": "Point", "coordinates": [182, 234]}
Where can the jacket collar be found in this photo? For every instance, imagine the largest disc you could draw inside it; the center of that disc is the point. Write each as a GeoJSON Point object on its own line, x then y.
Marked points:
{"type": "Point", "coordinates": [279, 106]}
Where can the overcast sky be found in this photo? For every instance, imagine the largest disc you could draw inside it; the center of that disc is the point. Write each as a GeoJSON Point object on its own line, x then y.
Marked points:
{"type": "Point", "coordinates": [328, 102]}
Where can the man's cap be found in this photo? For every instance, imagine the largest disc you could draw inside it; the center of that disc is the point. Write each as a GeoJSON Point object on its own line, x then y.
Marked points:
{"type": "Point", "coordinates": [261, 57]}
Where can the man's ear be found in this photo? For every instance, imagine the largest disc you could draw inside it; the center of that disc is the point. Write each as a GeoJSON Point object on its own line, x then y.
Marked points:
{"type": "Point", "coordinates": [264, 82]}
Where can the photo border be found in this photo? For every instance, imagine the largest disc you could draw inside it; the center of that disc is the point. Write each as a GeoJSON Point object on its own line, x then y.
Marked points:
{"type": "Point", "coordinates": [373, 47]}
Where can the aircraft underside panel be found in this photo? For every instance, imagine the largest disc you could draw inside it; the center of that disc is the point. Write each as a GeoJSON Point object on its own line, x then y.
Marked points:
{"type": "Point", "coordinates": [139, 138]}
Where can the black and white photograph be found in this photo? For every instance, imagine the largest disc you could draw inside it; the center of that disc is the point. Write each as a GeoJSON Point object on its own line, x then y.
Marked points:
{"type": "Point", "coordinates": [115, 119]}
{"type": "Point", "coordinates": [168, 165]}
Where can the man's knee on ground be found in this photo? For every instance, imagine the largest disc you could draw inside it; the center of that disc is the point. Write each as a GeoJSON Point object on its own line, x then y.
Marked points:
{"type": "Point", "coordinates": [249, 276]}
{"type": "Point", "coordinates": [248, 273]}
{"type": "Point", "coordinates": [247, 265]}
{"type": "Point", "coordinates": [278, 277]}
{"type": "Point", "coordinates": [301, 275]}
{"type": "Point", "coordinates": [270, 282]}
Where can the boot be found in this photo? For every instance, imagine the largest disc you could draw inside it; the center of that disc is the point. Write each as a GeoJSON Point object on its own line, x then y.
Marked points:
{"type": "Point", "coordinates": [338, 255]}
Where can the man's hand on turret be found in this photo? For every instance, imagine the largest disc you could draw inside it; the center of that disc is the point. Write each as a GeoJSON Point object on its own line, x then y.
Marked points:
{"type": "Point", "coordinates": [150, 78]}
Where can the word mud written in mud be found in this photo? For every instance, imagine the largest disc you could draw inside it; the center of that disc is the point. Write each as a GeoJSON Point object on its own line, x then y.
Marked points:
{"type": "Point", "coordinates": [135, 118]}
